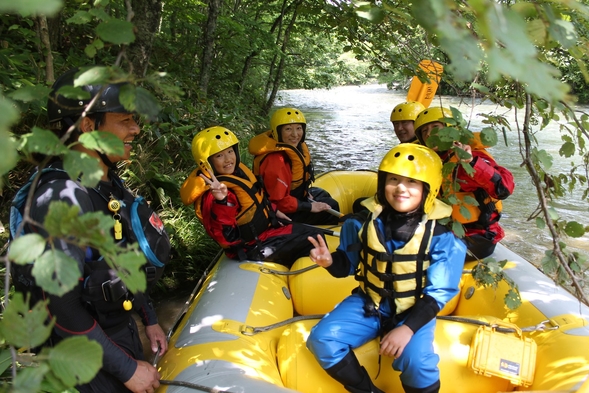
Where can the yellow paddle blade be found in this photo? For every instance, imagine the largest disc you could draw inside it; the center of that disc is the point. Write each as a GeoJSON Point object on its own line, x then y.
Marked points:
{"type": "Point", "coordinates": [425, 92]}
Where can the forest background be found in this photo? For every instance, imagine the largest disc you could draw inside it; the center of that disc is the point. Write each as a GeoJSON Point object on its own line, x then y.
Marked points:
{"type": "Point", "coordinates": [218, 62]}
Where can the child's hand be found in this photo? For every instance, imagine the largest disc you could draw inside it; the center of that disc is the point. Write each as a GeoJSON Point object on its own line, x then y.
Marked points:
{"type": "Point", "coordinates": [282, 216]}
{"type": "Point", "coordinates": [320, 254]}
{"type": "Point", "coordinates": [219, 190]}
{"type": "Point", "coordinates": [395, 341]}
{"type": "Point", "coordinates": [466, 148]}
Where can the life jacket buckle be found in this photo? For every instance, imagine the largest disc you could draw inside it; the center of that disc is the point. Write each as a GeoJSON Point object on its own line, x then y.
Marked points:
{"type": "Point", "coordinates": [150, 273]}
{"type": "Point", "coordinates": [113, 290]}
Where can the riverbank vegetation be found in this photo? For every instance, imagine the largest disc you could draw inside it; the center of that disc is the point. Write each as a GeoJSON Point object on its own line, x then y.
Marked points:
{"type": "Point", "coordinates": [216, 62]}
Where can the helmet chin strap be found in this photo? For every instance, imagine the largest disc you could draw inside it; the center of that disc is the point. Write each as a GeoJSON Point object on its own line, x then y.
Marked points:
{"type": "Point", "coordinates": [109, 164]}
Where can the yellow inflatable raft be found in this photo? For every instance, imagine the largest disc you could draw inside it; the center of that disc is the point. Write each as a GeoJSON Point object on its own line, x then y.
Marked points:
{"type": "Point", "coordinates": [245, 326]}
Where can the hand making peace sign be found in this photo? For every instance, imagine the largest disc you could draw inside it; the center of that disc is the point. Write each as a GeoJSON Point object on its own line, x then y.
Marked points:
{"type": "Point", "coordinates": [218, 189]}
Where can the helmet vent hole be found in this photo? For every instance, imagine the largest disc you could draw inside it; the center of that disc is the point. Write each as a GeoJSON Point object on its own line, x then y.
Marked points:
{"type": "Point", "coordinates": [218, 136]}
{"type": "Point", "coordinates": [397, 154]}
{"type": "Point", "coordinates": [410, 157]}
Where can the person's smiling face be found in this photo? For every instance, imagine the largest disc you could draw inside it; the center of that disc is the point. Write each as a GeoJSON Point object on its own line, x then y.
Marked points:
{"type": "Point", "coordinates": [404, 194]}
{"type": "Point", "coordinates": [292, 133]}
{"type": "Point", "coordinates": [224, 162]}
{"type": "Point", "coordinates": [404, 130]}
{"type": "Point", "coordinates": [124, 127]}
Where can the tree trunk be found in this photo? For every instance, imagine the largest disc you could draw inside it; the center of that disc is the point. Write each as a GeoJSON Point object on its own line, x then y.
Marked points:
{"type": "Point", "coordinates": [209, 45]}
{"type": "Point", "coordinates": [277, 25]}
{"type": "Point", "coordinates": [280, 68]}
{"type": "Point", "coordinates": [44, 35]}
{"type": "Point", "coordinates": [147, 15]}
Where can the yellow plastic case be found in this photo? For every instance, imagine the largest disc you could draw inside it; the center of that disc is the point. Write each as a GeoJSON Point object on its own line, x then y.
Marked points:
{"type": "Point", "coordinates": [503, 355]}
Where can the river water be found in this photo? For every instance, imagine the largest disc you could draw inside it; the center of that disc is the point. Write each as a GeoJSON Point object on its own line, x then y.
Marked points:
{"type": "Point", "coordinates": [348, 128]}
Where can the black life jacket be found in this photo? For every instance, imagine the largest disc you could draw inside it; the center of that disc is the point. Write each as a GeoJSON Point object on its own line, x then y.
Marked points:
{"type": "Point", "coordinates": [103, 291]}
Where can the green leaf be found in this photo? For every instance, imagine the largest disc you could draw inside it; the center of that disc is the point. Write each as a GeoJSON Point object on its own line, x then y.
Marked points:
{"type": "Point", "coordinates": [537, 31]}
{"type": "Point", "coordinates": [567, 149]}
{"type": "Point", "coordinates": [470, 200]}
{"type": "Point", "coordinates": [29, 379]}
{"type": "Point", "coordinates": [458, 229]}
{"type": "Point", "coordinates": [7, 152]}
{"type": "Point", "coordinates": [574, 229]}
{"type": "Point", "coordinates": [72, 365]}
{"type": "Point", "coordinates": [137, 99]}
{"type": "Point", "coordinates": [27, 248]}
{"type": "Point", "coordinates": [90, 50]}
{"type": "Point", "coordinates": [564, 32]}
{"type": "Point", "coordinates": [544, 158]}
{"type": "Point", "coordinates": [81, 165]}
{"type": "Point", "coordinates": [80, 18]}
{"type": "Point", "coordinates": [99, 13]}
{"type": "Point", "coordinates": [43, 141]}
{"type": "Point", "coordinates": [105, 142]}
{"type": "Point", "coordinates": [51, 383]}
{"type": "Point", "coordinates": [488, 137]}
{"type": "Point", "coordinates": [465, 212]}
{"type": "Point", "coordinates": [540, 223]}
{"type": "Point", "coordinates": [25, 328]}
{"type": "Point", "coordinates": [91, 228]}
{"type": "Point", "coordinates": [5, 360]}
{"type": "Point", "coordinates": [31, 7]}
{"type": "Point", "coordinates": [56, 272]}
{"type": "Point", "coordinates": [553, 214]}
{"type": "Point", "coordinates": [512, 299]}
{"type": "Point", "coordinates": [94, 76]}
{"type": "Point", "coordinates": [116, 31]}
{"type": "Point", "coordinates": [73, 93]}
{"type": "Point", "coordinates": [129, 269]}
{"type": "Point", "coordinates": [31, 93]}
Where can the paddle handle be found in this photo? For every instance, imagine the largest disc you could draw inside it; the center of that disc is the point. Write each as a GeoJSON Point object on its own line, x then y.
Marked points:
{"type": "Point", "coordinates": [334, 213]}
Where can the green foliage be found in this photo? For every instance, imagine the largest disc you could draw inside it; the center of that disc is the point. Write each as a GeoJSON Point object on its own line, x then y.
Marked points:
{"type": "Point", "coordinates": [489, 273]}
{"type": "Point", "coordinates": [22, 328]}
{"type": "Point", "coordinates": [501, 51]}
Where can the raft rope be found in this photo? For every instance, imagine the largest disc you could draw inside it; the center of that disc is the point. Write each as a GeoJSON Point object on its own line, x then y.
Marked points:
{"type": "Point", "coordinates": [289, 273]}
{"type": "Point", "coordinates": [250, 331]}
{"type": "Point", "coordinates": [541, 327]}
{"type": "Point", "coordinates": [194, 386]}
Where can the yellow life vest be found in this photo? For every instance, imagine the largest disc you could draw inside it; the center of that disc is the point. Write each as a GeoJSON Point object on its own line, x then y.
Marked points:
{"type": "Point", "coordinates": [300, 160]}
{"type": "Point", "coordinates": [484, 200]}
{"type": "Point", "coordinates": [255, 213]}
{"type": "Point", "coordinates": [400, 276]}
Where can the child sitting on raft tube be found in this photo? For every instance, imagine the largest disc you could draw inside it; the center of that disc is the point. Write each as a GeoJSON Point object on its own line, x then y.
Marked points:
{"type": "Point", "coordinates": [232, 205]}
{"type": "Point", "coordinates": [489, 184]}
{"type": "Point", "coordinates": [283, 160]}
{"type": "Point", "coordinates": [402, 240]}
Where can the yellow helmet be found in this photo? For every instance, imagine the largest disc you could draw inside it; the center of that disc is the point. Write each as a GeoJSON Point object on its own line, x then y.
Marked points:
{"type": "Point", "coordinates": [406, 111]}
{"type": "Point", "coordinates": [287, 116]}
{"type": "Point", "coordinates": [430, 115]}
{"type": "Point", "coordinates": [416, 162]}
{"type": "Point", "coordinates": [211, 141]}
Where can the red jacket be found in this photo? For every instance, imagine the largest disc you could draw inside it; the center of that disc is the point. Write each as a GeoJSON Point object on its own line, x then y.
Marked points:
{"type": "Point", "coordinates": [277, 176]}
{"type": "Point", "coordinates": [496, 180]}
{"type": "Point", "coordinates": [219, 220]}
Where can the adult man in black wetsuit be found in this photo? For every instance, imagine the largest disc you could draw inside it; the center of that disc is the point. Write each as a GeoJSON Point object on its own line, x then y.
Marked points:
{"type": "Point", "coordinates": [97, 308]}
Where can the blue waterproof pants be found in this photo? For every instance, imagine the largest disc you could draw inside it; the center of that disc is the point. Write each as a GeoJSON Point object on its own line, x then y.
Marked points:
{"type": "Point", "coordinates": [346, 328]}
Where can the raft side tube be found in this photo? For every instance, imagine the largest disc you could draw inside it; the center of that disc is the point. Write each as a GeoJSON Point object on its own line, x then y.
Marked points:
{"type": "Point", "coordinates": [238, 297]}
{"type": "Point", "coordinates": [347, 186]}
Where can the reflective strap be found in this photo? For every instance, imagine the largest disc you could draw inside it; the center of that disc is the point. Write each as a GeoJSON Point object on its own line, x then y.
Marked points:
{"type": "Point", "coordinates": [138, 230]}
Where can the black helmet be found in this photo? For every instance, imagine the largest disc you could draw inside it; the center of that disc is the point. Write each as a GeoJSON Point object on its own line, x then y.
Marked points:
{"type": "Point", "coordinates": [59, 107]}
